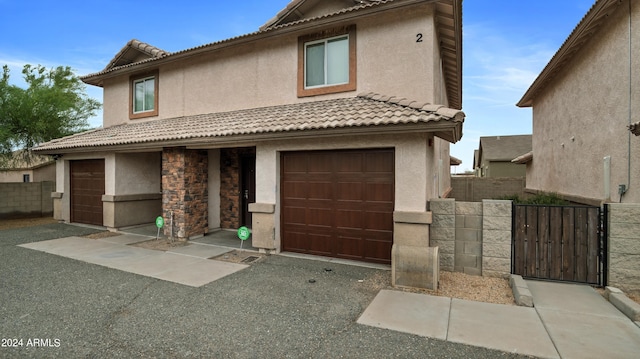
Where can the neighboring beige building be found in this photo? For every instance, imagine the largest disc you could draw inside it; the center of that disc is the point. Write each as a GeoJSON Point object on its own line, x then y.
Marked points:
{"type": "Point", "coordinates": [494, 154]}
{"type": "Point", "coordinates": [585, 104]}
{"type": "Point", "coordinates": [327, 131]}
{"type": "Point", "coordinates": [37, 169]}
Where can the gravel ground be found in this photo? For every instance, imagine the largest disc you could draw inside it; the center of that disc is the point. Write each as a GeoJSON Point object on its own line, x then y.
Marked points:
{"type": "Point", "coordinates": [269, 310]}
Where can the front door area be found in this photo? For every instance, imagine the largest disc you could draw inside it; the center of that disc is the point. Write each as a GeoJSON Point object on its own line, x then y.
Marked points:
{"type": "Point", "coordinates": [247, 187]}
{"type": "Point", "coordinates": [338, 203]}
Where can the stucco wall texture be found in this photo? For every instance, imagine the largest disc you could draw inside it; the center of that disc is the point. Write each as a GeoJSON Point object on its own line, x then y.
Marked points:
{"type": "Point", "coordinates": [582, 116]}
{"type": "Point", "coordinates": [264, 73]}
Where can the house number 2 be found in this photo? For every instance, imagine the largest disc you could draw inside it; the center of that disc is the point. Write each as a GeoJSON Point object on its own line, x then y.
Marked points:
{"type": "Point", "coordinates": [419, 37]}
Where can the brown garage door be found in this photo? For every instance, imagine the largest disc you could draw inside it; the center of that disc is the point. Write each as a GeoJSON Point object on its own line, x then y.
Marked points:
{"type": "Point", "coordinates": [339, 203]}
{"type": "Point", "coordinates": [87, 188]}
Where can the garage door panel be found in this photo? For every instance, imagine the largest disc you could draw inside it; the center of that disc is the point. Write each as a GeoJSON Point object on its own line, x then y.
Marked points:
{"type": "Point", "coordinates": [350, 162]}
{"type": "Point", "coordinates": [87, 187]}
{"type": "Point", "coordinates": [294, 189]}
{"type": "Point", "coordinates": [349, 219]}
{"type": "Point", "coordinates": [319, 217]}
{"type": "Point", "coordinates": [349, 247]}
{"type": "Point", "coordinates": [380, 221]}
{"type": "Point", "coordinates": [319, 163]}
{"type": "Point", "coordinates": [349, 191]}
{"type": "Point", "coordinates": [380, 192]}
{"type": "Point", "coordinates": [296, 215]}
{"type": "Point", "coordinates": [382, 162]}
{"type": "Point", "coordinates": [348, 207]}
{"type": "Point", "coordinates": [319, 189]}
{"type": "Point", "coordinates": [320, 243]}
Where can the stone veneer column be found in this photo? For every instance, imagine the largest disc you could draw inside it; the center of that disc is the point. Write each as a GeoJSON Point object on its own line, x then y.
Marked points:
{"type": "Point", "coordinates": [184, 192]}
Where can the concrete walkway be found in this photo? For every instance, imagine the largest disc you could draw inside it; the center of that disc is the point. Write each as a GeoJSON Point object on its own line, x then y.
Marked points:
{"type": "Point", "coordinates": [569, 321]}
{"type": "Point", "coordinates": [184, 265]}
{"type": "Point", "coordinates": [582, 323]}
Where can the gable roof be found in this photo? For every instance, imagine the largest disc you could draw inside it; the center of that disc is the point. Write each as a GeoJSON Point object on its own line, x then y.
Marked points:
{"type": "Point", "coordinates": [448, 25]}
{"type": "Point", "coordinates": [135, 51]}
{"type": "Point", "coordinates": [504, 148]}
{"type": "Point", "coordinates": [296, 10]}
{"type": "Point", "coordinates": [366, 113]}
{"type": "Point", "coordinates": [581, 34]}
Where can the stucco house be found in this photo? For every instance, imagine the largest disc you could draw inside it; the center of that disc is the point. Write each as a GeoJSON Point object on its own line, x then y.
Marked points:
{"type": "Point", "coordinates": [34, 169]}
{"type": "Point", "coordinates": [327, 131]}
{"type": "Point", "coordinates": [494, 154]}
{"type": "Point", "coordinates": [585, 105]}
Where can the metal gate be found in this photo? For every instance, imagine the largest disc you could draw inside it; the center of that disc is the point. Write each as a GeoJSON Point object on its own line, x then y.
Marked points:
{"type": "Point", "coordinates": [563, 243]}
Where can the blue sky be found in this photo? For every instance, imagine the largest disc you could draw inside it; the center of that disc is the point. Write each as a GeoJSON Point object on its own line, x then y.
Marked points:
{"type": "Point", "coordinates": [506, 43]}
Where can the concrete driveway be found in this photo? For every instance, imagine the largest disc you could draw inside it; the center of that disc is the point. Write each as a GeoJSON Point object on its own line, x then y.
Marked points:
{"type": "Point", "coordinates": [61, 307]}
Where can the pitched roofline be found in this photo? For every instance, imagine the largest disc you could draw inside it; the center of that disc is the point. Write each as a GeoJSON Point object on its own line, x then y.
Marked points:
{"type": "Point", "coordinates": [143, 47]}
{"type": "Point", "coordinates": [452, 56]}
{"type": "Point", "coordinates": [581, 34]}
{"type": "Point", "coordinates": [443, 122]}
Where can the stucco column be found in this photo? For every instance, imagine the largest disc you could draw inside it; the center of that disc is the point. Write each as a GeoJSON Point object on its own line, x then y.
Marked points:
{"type": "Point", "coordinates": [264, 210]}
{"type": "Point", "coordinates": [413, 262]}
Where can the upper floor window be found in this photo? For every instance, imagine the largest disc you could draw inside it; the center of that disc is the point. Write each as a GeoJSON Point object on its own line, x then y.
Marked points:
{"type": "Point", "coordinates": [26, 178]}
{"type": "Point", "coordinates": [327, 62]}
{"type": "Point", "coordinates": [144, 96]}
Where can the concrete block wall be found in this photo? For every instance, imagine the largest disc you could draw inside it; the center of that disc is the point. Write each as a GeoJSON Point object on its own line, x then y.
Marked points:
{"type": "Point", "coordinates": [496, 238]}
{"type": "Point", "coordinates": [442, 232]}
{"type": "Point", "coordinates": [624, 246]}
{"type": "Point", "coordinates": [458, 230]}
{"type": "Point", "coordinates": [22, 200]}
{"type": "Point", "coordinates": [468, 238]}
{"type": "Point", "coordinates": [476, 189]}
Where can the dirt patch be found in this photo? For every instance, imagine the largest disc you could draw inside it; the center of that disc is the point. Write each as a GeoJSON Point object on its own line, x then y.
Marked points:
{"type": "Point", "coordinates": [634, 297]}
{"type": "Point", "coordinates": [161, 244]}
{"type": "Point", "coordinates": [239, 256]}
{"type": "Point", "coordinates": [25, 222]}
{"type": "Point", "coordinates": [105, 234]}
{"type": "Point", "coordinates": [471, 287]}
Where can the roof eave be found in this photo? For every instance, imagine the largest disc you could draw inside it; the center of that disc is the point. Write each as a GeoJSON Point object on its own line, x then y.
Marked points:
{"type": "Point", "coordinates": [447, 130]}
{"type": "Point", "coordinates": [581, 34]}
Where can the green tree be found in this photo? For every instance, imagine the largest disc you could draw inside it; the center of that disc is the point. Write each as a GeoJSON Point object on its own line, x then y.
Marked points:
{"type": "Point", "coordinates": [54, 104]}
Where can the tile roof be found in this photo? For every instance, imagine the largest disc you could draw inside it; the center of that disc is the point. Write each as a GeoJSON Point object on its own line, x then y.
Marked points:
{"type": "Point", "coordinates": [635, 128]}
{"type": "Point", "coordinates": [365, 112]}
{"type": "Point", "coordinates": [448, 22]}
{"type": "Point", "coordinates": [132, 51]}
{"type": "Point", "coordinates": [504, 148]}
{"type": "Point", "coordinates": [586, 29]}
{"type": "Point", "coordinates": [293, 6]}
